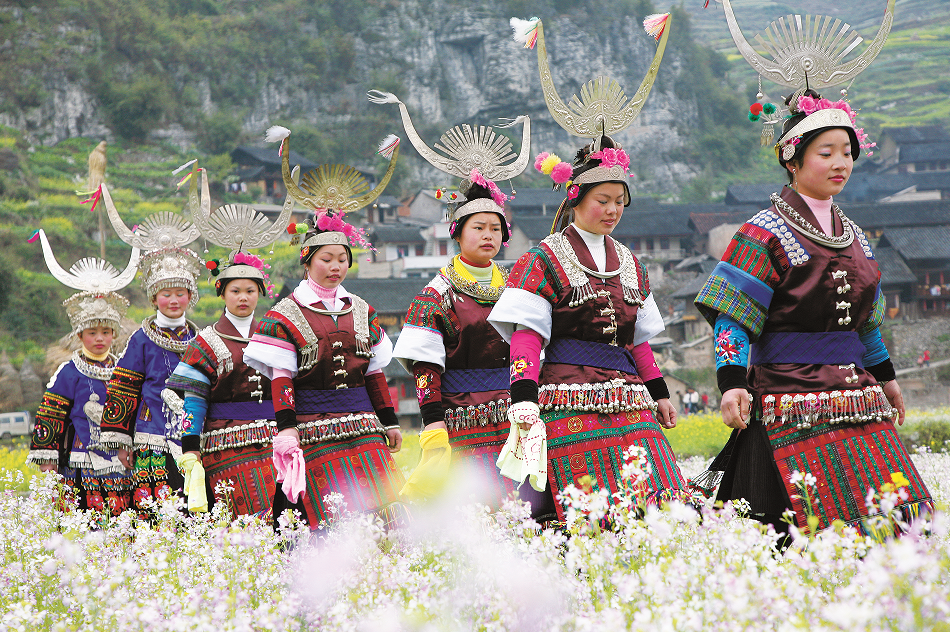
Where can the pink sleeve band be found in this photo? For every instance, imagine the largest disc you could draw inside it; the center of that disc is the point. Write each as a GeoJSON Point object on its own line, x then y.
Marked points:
{"type": "Point", "coordinates": [646, 363]}
{"type": "Point", "coordinates": [525, 355]}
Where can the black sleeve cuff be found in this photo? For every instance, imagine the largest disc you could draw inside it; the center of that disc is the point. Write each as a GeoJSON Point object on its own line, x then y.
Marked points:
{"type": "Point", "coordinates": [387, 417]}
{"type": "Point", "coordinates": [731, 376]}
{"type": "Point", "coordinates": [191, 443]}
{"type": "Point", "coordinates": [286, 418]}
{"type": "Point", "coordinates": [524, 391]}
{"type": "Point", "coordinates": [432, 412]}
{"type": "Point", "coordinates": [658, 389]}
{"type": "Point", "coordinates": [882, 372]}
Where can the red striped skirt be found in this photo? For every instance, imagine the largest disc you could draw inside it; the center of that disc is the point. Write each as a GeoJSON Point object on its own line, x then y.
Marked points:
{"type": "Point", "coordinates": [360, 468]}
{"type": "Point", "coordinates": [847, 460]}
{"type": "Point", "coordinates": [592, 444]}
{"type": "Point", "coordinates": [478, 448]}
{"type": "Point", "coordinates": [250, 472]}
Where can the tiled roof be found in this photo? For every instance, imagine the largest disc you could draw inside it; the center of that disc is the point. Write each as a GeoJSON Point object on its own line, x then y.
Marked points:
{"type": "Point", "coordinates": [925, 152]}
{"type": "Point", "coordinates": [387, 296]}
{"type": "Point", "coordinates": [898, 214]}
{"type": "Point", "coordinates": [754, 194]}
{"type": "Point", "coordinates": [535, 227]}
{"type": "Point", "coordinates": [532, 200]}
{"type": "Point", "coordinates": [691, 289]}
{"type": "Point", "coordinates": [920, 242]}
{"type": "Point", "coordinates": [268, 156]}
{"type": "Point", "coordinates": [893, 269]}
{"type": "Point", "coordinates": [702, 223]}
{"type": "Point", "coordinates": [916, 134]}
{"type": "Point", "coordinates": [395, 233]}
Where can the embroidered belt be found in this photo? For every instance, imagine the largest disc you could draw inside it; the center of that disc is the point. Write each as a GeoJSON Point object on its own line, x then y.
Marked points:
{"type": "Point", "coordinates": [799, 347]}
{"type": "Point", "coordinates": [344, 400]}
{"type": "Point", "coordinates": [476, 380]}
{"type": "Point", "coordinates": [587, 353]}
{"type": "Point", "coordinates": [245, 411]}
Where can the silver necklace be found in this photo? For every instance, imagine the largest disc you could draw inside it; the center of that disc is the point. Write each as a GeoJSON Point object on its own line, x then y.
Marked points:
{"type": "Point", "coordinates": [165, 342]}
{"type": "Point", "coordinates": [810, 231]}
{"type": "Point", "coordinates": [569, 250]}
{"type": "Point", "coordinates": [90, 370]}
{"type": "Point", "coordinates": [229, 337]}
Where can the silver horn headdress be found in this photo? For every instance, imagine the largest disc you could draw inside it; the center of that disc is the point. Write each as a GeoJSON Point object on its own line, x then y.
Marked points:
{"type": "Point", "coordinates": [806, 52]}
{"type": "Point", "coordinates": [476, 154]}
{"type": "Point", "coordinates": [163, 236]}
{"type": "Point", "coordinates": [97, 302]}
{"type": "Point", "coordinates": [602, 107]}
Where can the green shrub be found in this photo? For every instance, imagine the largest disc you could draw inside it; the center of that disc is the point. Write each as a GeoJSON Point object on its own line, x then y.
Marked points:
{"type": "Point", "coordinates": [933, 434]}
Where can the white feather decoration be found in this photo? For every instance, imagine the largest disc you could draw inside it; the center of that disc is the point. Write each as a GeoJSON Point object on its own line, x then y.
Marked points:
{"type": "Point", "coordinates": [523, 30]}
{"type": "Point", "coordinates": [184, 166]}
{"type": "Point", "coordinates": [388, 146]}
{"type": "Point", "coordinates": [276, 134]}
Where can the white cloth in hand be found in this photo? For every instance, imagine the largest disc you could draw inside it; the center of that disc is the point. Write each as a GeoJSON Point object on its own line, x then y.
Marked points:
{"type": "Point", "coordinates": [525, 453]}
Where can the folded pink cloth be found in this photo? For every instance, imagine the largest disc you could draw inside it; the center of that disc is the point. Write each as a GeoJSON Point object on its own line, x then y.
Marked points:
{"type": "Point", "coordinates": [291, 468]}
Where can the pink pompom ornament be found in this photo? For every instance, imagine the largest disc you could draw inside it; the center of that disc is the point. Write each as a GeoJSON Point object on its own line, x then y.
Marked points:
{"type": "Point", "coordinates": [561, 172]}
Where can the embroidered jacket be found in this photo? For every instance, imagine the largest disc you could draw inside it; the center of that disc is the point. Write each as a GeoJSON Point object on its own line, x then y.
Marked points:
{"type": "Point", "coordinates": [551, 294]}
{"type": "Point", "coordinates": [447, 326]}
{"type": "Point", "coordinates": [324, 354]}
{"type": "Point", "coordinates": [213, 369]}
{"type": "Point", "coordinates": [774, 279]}
{"type": "Point", "coordinates": [67, 421]}
{"type": "Point", "coordinates": [134, 416]}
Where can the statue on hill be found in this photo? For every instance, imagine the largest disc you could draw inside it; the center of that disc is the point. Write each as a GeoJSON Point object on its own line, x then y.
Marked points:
{"type": "Point", "coordinates": [97, 175]}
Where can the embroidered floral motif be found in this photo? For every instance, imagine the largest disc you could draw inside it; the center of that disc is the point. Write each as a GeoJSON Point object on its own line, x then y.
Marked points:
{"type": "Point", "coordinates": [287, 397]}
{"type": "Point", "coordinates": [422, 387]}
{"type": "Point", "coordinates": [519, 366]}
{"type": "Point", "coordinates": [728, 347]}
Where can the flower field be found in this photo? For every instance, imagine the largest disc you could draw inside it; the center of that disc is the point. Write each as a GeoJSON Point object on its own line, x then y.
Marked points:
{"type": "Point", "coordinates": [460, 567]}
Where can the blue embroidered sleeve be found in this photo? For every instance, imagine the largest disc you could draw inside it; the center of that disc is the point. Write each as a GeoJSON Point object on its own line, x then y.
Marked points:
{"type": "Point", "coordinates": [732, 342]}
{"type": "Point", "coordinates": [194, 419]}
{"type": "Point", "coordinates": [874, 350]}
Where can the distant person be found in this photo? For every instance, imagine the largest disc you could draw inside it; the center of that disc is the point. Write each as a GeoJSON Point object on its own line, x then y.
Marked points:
{"type": "Point", "coordinates": [705, 401]}
{"type": "Point", "coordinates": [926, 358]}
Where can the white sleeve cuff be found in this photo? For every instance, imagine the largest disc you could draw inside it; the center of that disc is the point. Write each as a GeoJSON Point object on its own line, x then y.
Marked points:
{"type": "Point", "coordinates": [384, 354]}
{"type": "Point", "coordinates": [265, 358]}
{"type": "Point", "coordinates": [418, 344]}
{"type": "Point", "coordinates": [649, 321]}
{"type": "Point", "coordinates": [521, 307]}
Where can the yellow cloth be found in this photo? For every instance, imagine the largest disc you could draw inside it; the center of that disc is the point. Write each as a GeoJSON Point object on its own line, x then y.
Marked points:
{"type": "Point", "coordinates": [430, 476]}
{"type": "Point", "coordinates": [525, 453]}
{"type": "Point", "coordinates": [92, 356]}
{"type": "Point", "coordinates": [194, 472]}
{"type": "Point", "coordinates": [466, 272]}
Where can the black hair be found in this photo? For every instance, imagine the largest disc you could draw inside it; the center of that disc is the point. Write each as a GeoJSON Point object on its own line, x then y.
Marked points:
{"type": "Point", "coordinates": [475, 192]}
{"type": "Point", "coordinates": [796, 118]}
{"type": "Point", "coordinates": [307, 254]}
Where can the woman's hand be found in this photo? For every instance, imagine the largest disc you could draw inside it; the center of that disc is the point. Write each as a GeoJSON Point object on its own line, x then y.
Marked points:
{"type": "Point", "coordinates": [395, 440]}
{"type": "Point", "coordinates": [893, 393]}
{"type": "Point", "coordinates": [667, 413]}
{"type": "Point", "coordinates": [735, 406]}
{"type": "Point", "coordinates": [125, 458]}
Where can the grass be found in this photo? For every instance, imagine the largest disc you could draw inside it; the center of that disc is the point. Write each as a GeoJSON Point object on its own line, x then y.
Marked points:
{"type": "Point", "coordinates": [702, 434]}
{"type": "Point", "coordinates": [13, 459]}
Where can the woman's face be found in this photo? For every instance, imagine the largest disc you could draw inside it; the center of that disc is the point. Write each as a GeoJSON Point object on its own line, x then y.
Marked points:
{"type": "Point", "coordinates": [328, 266]}
{"type": "Point", "coordinates": [97, 340]}
{"type": "Point", "coordinates": [240, 297]}
{"type": "Point", "coordinates": [826, 165]}
{"type": "Point", "coordinates": [600, 210]}
{"type": "Point", "coordinates": [172, 302]}
{"type": "Point", "coordinates": [480, 238]}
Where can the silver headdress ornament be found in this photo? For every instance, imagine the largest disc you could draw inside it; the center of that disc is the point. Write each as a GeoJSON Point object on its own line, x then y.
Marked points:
{"type": "Point", "coordinates": [806, 52]}
{"type": "Point", "coordinates": [238, 227]}
{"type": "Point", "coordinates": [97, 303]}
{"type": "Point", "coordinates": [476, 154]}
{"type": "Point", "coordinates": [602, 108]}
{"type": "Point", "coordinates": [163, 236]}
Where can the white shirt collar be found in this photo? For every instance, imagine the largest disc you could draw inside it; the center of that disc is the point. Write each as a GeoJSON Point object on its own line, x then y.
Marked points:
{"type": "Point", "coordinates": [306, 296]}
{"type": "Point", "coordinates": [168, 323]}
{"type": "Point", "coordinates": [596, 245]}
{"type": "Point", "coordinates": [241, 323]}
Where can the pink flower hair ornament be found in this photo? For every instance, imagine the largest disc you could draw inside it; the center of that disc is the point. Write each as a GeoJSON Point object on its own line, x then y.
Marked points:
{"type": "Point", "coordinates": [552, 165]}
{"type": "Point", "coordinates": [810, 105]}
{"type": "Point", "coordinates": [610, 157]}
{"type": "Point", "coordinates": [477, 178]}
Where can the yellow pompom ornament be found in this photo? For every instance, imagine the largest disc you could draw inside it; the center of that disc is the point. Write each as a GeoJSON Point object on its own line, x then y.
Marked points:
{"type": "Point", "coordinates": [548, 164]}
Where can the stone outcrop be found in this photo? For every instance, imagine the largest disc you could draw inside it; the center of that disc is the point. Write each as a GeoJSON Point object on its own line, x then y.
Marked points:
{"type": "Point", "coordinates": [11, 393]}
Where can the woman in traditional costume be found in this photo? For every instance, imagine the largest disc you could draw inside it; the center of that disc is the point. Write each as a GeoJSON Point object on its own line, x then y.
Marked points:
{"type": "Point", "coordinates": [67, 421]}
{"type": "Point", "coordinates": [324, 350]}
{"type": "Point", "coordinates": [797, 296]}
{"type": "Point", "coordinates": [586, 301]}
{"type": "Point", "coordinates": [228, 418]}
{"type": "Point", "coordinates": [134, 420]}
{"type": "Point", "coordinates": [460, 363]}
